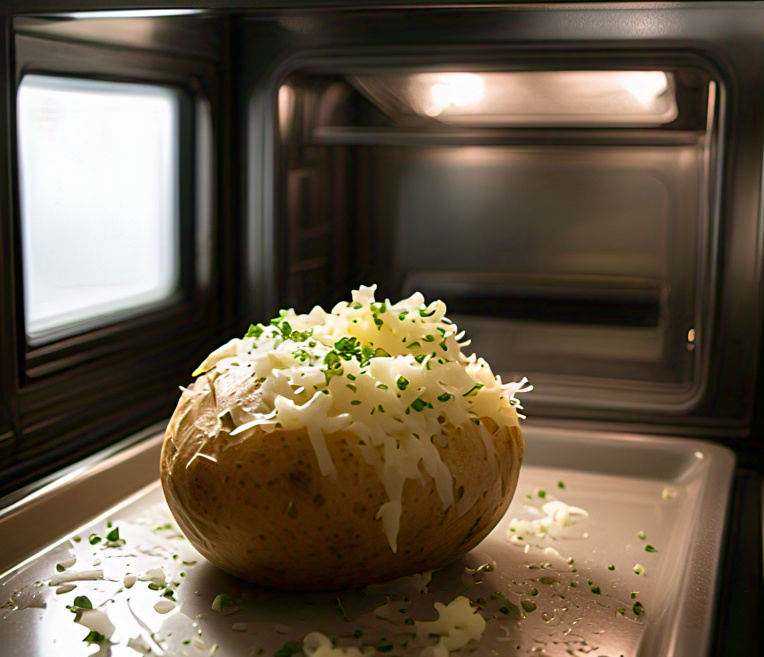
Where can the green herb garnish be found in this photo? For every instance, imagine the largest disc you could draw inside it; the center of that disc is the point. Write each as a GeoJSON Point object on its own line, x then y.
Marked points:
{"type": "Point", "coordinates": [254, 331]}
{"type": "Point", "coordinates": [384, 645]}
{"type": "Point", "coordinates": [222, 602]}
{"type": "Point", "coordinates": [288, 649]}
{"type": "Point", "coordinates": [473, 390]}
{"type": "Point", "coordinates": [420, 404]}
{"type": "Point", "coordinates": [340, 609]}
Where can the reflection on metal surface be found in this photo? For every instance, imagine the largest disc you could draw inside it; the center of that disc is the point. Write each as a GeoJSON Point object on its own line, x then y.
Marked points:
{"type": "Point", "coordinates": [132, 13]}
{"type": "Point", "coordinates": [527, 97]}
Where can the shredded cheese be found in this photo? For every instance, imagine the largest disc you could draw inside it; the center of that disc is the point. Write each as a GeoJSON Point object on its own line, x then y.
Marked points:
{"type": "Point", "coordinates": [393, 374]}
{"type": "Point", "coordinates": [554, 514]}
{"type": "Point", "coordinates": [458, 624]}
{"type": "Point", "coordinates": [317, 644]}
{"type": "Point", "coordinates": [96, 620]}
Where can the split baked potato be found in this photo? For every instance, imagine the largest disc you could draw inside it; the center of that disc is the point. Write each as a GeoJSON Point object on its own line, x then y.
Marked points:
{"type": "Point", "coordinates": [337, 449]}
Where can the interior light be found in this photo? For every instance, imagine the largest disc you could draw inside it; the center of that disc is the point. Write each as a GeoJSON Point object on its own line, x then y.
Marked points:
{"type": "Point", "coordinates": [447, 89]}
{"type": "Point", "coordinates": [645, 86]}
{"type": "Point", "coordinates": [516, 98]}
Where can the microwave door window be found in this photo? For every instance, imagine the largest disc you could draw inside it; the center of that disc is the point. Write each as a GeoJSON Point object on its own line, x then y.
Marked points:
{"type": "Point", "coordinates": [99, 215]}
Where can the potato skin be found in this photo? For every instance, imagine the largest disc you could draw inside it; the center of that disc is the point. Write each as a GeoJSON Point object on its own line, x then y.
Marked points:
{"type": "Point", "coordinates": [257, 506]}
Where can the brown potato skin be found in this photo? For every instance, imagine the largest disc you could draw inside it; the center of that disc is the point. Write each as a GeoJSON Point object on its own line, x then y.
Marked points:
{"type": "Point", "coordinates": [261, 510]}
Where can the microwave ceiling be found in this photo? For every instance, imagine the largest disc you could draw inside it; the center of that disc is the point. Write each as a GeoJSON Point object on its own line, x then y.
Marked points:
{"type": "Point", "coordinates": [525, 98]}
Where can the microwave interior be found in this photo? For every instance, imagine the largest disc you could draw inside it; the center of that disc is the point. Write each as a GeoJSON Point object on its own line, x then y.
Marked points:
{"type": "Point", "coordinates": [567, 216]}
{"type": "Point", "coordinates": [579, 182]}
{"type": "Point", "coordinates": [566, 202]}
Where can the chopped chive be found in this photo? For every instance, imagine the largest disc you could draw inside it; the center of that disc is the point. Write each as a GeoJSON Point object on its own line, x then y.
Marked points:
{"type": "Point", "coordinates": [383, 645]}
{"type": "Point", "coordinates": [94, 637]}
{"type": "Point", "coordinates": [420, 404]}
{"type": "Point", "coordinates": [340, 609]}
{"type": "Point", "coordinates": [254, 331]}
{"type": "Point", "coordinates": [222, 602]}
{"type": "Point", "coordinates": [473, 390]}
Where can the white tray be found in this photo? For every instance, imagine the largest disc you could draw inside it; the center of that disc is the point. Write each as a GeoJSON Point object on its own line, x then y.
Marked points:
{"type": "Point", "coordinates": [572, 592]}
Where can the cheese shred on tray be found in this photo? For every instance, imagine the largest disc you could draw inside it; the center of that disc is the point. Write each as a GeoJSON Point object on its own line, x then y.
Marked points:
{"type": "Point", "coordinates": [362, 440]}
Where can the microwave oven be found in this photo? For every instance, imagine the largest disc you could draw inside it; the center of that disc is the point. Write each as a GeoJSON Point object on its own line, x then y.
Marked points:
{"type": "Point", "coordinates": [580, 182]}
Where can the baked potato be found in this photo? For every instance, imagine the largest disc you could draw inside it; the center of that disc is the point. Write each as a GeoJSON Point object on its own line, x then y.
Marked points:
{"type": "Point", "coordinates": [337, 449]}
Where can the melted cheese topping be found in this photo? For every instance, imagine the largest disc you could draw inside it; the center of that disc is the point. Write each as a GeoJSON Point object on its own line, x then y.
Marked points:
{"type": "Point", "coordinates": [393, 374]}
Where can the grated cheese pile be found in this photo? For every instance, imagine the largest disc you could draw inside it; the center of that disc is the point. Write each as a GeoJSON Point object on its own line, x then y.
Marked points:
{"type": "Point", "coordinates": [392, 374]}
